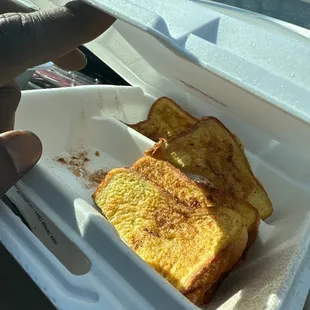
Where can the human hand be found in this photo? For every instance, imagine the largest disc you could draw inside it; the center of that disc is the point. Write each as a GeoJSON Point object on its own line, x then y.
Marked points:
{"type": "Point", "coordinates": [27, 40]}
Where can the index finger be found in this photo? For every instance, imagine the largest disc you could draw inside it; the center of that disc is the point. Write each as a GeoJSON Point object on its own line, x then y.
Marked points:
{"type": "Point", "coordinates": [7, 6]}
{"type": "Point", "coordinates": [30, 39]}
{"type": "Point", "coordinates": [74, 60]}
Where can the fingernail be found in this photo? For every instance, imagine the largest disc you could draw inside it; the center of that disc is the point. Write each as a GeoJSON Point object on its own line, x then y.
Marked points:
{"type": "Point", "coordinates": [24, 150]}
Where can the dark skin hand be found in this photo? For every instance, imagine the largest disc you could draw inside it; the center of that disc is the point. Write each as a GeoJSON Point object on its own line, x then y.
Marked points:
{"type": "Point", "coordinates": [26, 40]}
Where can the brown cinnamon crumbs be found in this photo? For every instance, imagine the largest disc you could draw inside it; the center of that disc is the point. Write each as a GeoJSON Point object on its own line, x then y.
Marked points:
{"type": "Point", "coordinates": [97, 177]}
{"type": "Point", "coordinates": [61, 160]}
{"type": "Point", "coordinates": [78, 164]}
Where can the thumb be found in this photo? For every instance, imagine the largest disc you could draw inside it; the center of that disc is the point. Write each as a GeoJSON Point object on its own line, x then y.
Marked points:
{"type": "Point", "coordinates": [19, 151]}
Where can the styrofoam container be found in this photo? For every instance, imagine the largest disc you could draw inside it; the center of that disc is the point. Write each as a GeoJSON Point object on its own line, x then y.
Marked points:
{"type": "Point", "coordinates": [210, 64]}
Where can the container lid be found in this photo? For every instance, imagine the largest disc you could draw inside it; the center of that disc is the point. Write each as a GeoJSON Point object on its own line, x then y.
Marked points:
{"type": "Point", "coordinates": [246, 67]}
{"type": "Point", "coordinates": [242, 62]}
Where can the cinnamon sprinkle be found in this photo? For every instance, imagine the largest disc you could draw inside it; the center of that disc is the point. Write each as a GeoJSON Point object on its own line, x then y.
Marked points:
{"type": "Point", "coordinates": [61, 160]}
{"type": "Point", "coordinates": [78, 163]}
{"type": "Point", "coordinates": [97, 177]}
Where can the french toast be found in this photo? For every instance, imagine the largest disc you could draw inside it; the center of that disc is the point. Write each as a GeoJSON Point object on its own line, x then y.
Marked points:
{"type": "Point", "coordinates": [165, 119]}
{"type": "Point", "coordinates": [168, 177]}
{"type": "Point", "coordinates": [210, 150]}
{"type": "Point", "coordinates": [191, 248]}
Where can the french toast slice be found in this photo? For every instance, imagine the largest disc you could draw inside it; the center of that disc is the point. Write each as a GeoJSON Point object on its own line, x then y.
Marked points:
{"type": "Point", "coordinates": [198, 297]}
{"type": "Point", "coordinates": [168, 177]}
{"type": "Point", "coordinates": [165, 119]}
{"type": "Point", "coordinates": [190, 248]}
{"type": "Point", "coordinates": [210, 150]}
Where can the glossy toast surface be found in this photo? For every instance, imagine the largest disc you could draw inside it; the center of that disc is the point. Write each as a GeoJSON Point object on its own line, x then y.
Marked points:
{"type": "Point", "coordinates": [195, 196]}
{"type": "Point", "coordinates": [165, 119]}
{"type": "Point", "coordinates": [210, 150]}
{"type": "Point", "coordinates": [190, 248]}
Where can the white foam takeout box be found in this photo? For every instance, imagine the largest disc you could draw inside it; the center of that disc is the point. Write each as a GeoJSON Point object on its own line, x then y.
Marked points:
{"type": "Point", "coordinates": [250, 73]}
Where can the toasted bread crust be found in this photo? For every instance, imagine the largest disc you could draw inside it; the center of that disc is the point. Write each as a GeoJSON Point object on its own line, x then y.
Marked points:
{"type": "Point", "coordinates": [209, 267]}
{"type": "Point", "coordinates": [213, 289]}
{"type": "Point", "coordinates": [202, 292]}
{"type": "Point", "coordinates": [150, 127]}
{"type": "Point", "coordinates": [245, 185]}
{"type": "Point", "coordinates": [165, 119]}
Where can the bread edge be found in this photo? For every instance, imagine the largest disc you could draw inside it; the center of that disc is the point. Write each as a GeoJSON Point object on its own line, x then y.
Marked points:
{"type": "Point", "coordinates": [134, 126]}
{"type": "Point", "coordinates": [156, 148]}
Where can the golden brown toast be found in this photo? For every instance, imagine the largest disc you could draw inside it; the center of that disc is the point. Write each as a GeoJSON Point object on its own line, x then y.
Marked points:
{"type": "Point", "coordinates": [165, 119]}
{"type": "Point", "coordinates": [196, 295]}
{"type": "Point", "coordinates": [194, 195]}
{"type": "Point", "coordinates": [210, 150]}
{"type": "Point", "coordinates": [213, 289]}
{"type": "Point", "coordinates": [191, 248]}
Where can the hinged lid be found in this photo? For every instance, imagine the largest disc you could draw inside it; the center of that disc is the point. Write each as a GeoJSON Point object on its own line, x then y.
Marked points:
{"type": "Point", "coordinates": [247, 67]}
{"type": "Point", "coordinates": [243, 67]}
